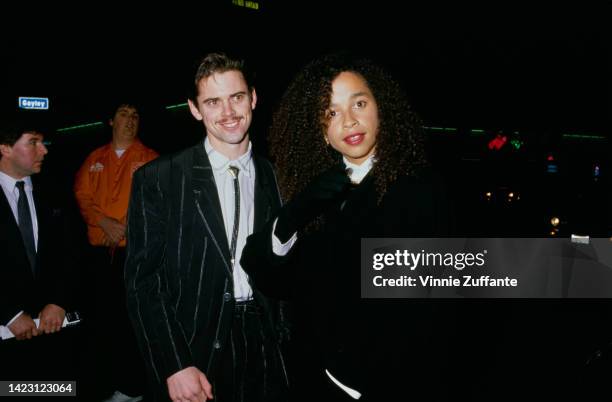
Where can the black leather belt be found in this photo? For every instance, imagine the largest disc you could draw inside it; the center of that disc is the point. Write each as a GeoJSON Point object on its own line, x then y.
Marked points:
{"type": "Point", "coordinates": [246, 305]}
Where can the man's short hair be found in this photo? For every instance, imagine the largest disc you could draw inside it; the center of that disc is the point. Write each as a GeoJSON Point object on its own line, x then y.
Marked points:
{"type": "Point", "coordinates": [131, 103]}
{"type": "Point", "coordinates": [10, 133]}
{"type": "Point", "coordinates": [11, 129]}
{"type": "Point", "coordinates": [214, 63]}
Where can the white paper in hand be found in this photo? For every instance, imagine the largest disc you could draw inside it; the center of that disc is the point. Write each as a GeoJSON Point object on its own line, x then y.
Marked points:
{"type": "Point", "coordinates": [70, 320]}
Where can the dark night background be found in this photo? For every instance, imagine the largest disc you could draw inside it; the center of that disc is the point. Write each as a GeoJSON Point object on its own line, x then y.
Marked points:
{"type": "Point", "coordinates": [539, 76]}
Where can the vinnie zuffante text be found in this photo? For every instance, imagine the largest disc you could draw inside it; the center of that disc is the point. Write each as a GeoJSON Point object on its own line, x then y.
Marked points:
{"type": "Point", "coordinates": [435, 263]}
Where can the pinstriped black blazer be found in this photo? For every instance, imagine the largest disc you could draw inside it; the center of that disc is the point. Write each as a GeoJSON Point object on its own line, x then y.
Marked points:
{"type": "Point", "coordinates": [178, 274]}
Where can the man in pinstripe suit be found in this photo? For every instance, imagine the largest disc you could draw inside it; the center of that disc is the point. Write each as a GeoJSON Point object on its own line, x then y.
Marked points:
{"type": "Point", "coordinates": [203, 328]}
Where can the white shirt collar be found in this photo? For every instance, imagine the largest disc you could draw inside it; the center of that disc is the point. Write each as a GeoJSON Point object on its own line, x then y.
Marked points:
{"type": "Point", "coordinates": [220, 162]}
{"type": "Point", "coordinates": [358, 172]}
{"type": "Point", "coordinates": [9, 182]}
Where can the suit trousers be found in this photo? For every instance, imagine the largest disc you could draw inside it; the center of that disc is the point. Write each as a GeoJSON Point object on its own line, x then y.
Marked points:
{"type": "Point", "coordinates": [250, 368]}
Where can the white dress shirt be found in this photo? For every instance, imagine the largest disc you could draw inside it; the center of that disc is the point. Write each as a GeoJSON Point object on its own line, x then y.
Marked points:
{"type": "Point", "coordinates": [225, 188]}
{"type": "Point", "coordinates": [12, 195]}
{"type": "Point", "coordinates": [359, 172]}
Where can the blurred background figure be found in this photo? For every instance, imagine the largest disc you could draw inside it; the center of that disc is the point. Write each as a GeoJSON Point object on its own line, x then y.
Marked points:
{"type": "Point", "coordinates": [102, 190]}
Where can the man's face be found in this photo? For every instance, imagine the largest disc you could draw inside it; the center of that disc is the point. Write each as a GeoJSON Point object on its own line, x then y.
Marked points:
{"type": "Point", "coordinates": [25, 157]}
{"type": "Point", "coordinates": [125, 123]}
{"type": "Point", "coordinates": [225, 105]}
{"type": "Point", "coordinates": [352, 118]}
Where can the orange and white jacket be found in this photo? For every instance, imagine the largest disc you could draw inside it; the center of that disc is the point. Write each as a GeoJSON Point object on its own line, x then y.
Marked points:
{"type": "Point", "coordinates": [103, 183]}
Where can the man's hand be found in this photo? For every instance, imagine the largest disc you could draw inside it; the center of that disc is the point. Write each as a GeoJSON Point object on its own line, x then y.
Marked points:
{"type": "Point", "coordinates": [114, 231]}
{"type": "Point", "coordinates": [23, 327]}
{"type": "Point", "coordinates": [51, 319]}
{"type": "Point", "coordinates": [189, 385]}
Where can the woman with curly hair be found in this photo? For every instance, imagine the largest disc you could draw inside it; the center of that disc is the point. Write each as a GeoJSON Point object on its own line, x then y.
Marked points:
{"type": "Point", "coordinates": [350, 161]}
{"type": "Point", "coordinates": [307, 134]}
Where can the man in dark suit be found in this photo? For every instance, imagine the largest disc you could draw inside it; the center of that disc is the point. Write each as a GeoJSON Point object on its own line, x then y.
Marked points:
{"type": "Point", "coordinates": [35, 260]}
{"type": "Point", "coordinates": [203, 328]}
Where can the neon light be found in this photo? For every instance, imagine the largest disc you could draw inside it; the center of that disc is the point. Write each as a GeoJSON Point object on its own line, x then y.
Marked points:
{"type": "Point", "coordinates": [247, 4]}
{"type": "Point", "coordinates": [498, 142]}
{"type": "Point", "coordinates": [476, 132]}
{"type": "Point", "coordinates": [584, 136]}
{"type": "Point", "coordinates": [177, 106]}
{"type": "Point", "coordinates": [98, 123]}
{"type": "Point", "coordinates": [443, 129]}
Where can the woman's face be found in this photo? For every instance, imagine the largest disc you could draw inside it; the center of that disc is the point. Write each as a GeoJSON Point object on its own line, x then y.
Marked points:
{"type": "Point", "coordinates": [352, 118]}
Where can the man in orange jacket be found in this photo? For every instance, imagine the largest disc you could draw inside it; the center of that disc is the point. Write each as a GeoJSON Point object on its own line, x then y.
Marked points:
{"type": "Point", "coordinates": [102, 189]}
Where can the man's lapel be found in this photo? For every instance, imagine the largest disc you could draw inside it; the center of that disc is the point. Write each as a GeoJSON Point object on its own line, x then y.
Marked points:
{"type": "Point", "coordinates": [6, 216]}
{"type": "Point", "coordinates": [6, 213]}
{"type": "Point", "coordinates": [207, 202]}
{"type": "Point", "coordinates": [264, 193]}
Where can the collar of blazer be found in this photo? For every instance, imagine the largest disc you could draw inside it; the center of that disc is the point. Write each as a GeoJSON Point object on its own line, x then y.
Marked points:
{"type": "Point", "coordinates": [207, 198]}
{"type": "Point", "coordinates": [207, 201]}
{"type": "Point", "coordinates": [9, 223]}
{"type": "Point", "coordinates": [42, 207]}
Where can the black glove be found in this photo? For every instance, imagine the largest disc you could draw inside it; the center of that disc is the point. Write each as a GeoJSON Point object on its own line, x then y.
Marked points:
{"type": "Point", "coordinates": [323, 192]}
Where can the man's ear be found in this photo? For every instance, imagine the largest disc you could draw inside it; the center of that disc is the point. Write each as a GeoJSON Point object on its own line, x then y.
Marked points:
{"type": "Point", "coordinates": [194, 110]}
{"type": "Point", "coordinates": [5, 149]}
{"type": "Point", "coordinates": [253, 99]}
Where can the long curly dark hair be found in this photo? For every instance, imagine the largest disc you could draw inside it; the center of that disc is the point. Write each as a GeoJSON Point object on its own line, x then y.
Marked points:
{"type": "Point", "coordinates": [296, 135]}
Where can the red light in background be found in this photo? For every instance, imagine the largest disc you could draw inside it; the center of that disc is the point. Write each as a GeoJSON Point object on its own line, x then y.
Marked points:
{"type": "Point", "coordinates": [498, 142]}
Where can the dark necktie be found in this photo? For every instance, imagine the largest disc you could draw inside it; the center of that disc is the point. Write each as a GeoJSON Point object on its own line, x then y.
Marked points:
{"type": "Point", "coordinates": [25, 224]}
{"type": "Point", "coordinates": [233, 170]}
